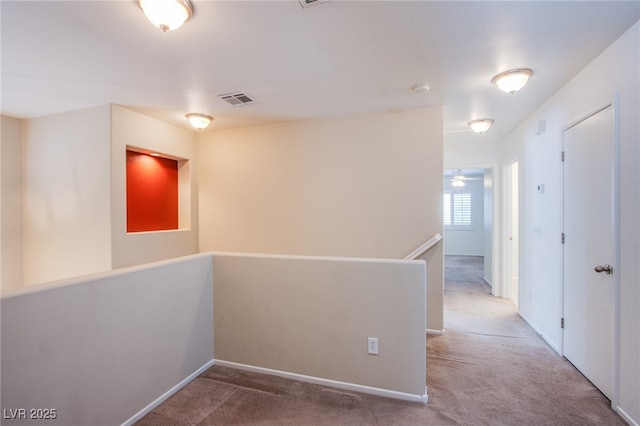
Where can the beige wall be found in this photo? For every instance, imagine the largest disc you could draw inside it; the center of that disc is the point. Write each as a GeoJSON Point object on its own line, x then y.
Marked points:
{"type": "Point", "coordinates": [101, 348]}
{"type": "Point", "coordinates": [11, 203]}
{"type": "Point", "coordinates": [133, 336]}
{"type": "Point", "coordinates": [366, 186]}
{"type": "Point", "coordinates": [67, 212]}
{"type": "Point", "coordinates": [75, 193]}
{"type": "Point", "coordinates": [474, 154]}
{"type": "Point", "coordinates": [312, 316]}
{"type": "Point", "coordinates": [130, 128]}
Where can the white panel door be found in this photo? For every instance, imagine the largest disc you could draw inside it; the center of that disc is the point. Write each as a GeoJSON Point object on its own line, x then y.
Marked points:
{"type": "Point", "coordinates": [588, 172]}
{"type": "Point", "coordinates": [512, 288]}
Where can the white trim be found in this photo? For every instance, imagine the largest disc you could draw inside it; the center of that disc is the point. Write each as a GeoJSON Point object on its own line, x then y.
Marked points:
{"type": "Point", "coordinates": [315, 258]}
{"type": "Point", "coordinates": [505, 287]}
{"type": "Point", "coordinates": [330, 383]}
{"type": "Point", "coordinates": [616, 250]}
{"type": "Point", "coordinates": [436, 332]}
{"type": "Point", "coordinates": [162, 398]}
{"type": "Point", "coordinates": [625, 416]}
{"type": "Point", "coordinates": [562, 254]}
{"type": "Point", "coordinates": [590, 113]}
{"type": "Point", "coordinates": [424, 247]}
{"type": "Point", "coordinates": [496, 229]}
{"type": "Point", "coordinates": [549, 342]}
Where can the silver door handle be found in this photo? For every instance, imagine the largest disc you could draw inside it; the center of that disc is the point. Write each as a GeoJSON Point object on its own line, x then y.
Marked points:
{"type": "Point", "coordinates": [603, 268]}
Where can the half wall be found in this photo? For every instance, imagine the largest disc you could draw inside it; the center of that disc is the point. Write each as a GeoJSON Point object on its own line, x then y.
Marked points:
{"type": "Point", "coordinates": [312, 316]}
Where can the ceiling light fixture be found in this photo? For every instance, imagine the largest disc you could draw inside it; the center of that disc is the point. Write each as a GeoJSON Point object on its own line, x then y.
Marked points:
{"type": "Point", "coordinates": [513, 80]}
{"type": "Point", "coordinates": [421, 88]}
{"type": "Point", "coordinates": [457, 183]}
{"type": "Point", "coordinates": [458, 180]}
{"type": "Point", "coordinates": [481, 125]}
{"type": "Point", "coordinates": [459, 176]}
{"type": "Point", "coordinates": [199, 121]}
{"type": "Point", "coordinates": [167, 15]}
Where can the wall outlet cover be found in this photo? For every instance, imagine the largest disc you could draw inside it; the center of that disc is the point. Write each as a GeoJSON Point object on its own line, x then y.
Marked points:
{"type": "Point", "coordinates": [372, 346]}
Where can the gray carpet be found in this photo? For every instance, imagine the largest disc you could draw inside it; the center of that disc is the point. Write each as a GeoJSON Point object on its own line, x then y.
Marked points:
{"type": "Point", "coordinates": [489, 368]}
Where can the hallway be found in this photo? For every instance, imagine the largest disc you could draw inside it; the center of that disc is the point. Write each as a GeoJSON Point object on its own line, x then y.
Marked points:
{"type": "Point", "coordinates": [489, 368]}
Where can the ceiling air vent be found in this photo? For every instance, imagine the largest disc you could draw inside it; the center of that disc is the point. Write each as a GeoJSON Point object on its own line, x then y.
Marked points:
{"type": "Point", "coordinates": [307, 3]}
{"type": "Point", "coordinates": [237, 99]}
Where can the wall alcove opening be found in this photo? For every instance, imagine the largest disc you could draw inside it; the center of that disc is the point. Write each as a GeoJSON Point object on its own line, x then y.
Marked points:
{"type": "Point", "coordinates": [158, 191]}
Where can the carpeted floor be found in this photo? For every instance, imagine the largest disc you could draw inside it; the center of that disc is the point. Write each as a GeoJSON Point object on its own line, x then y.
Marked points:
{"type": "Point", "coordinates": [489, 368]}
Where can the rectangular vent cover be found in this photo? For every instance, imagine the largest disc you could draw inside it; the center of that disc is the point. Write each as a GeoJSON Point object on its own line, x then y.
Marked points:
{"type": "Point", "coordinates": [307, 3]}
{"type": "Point", "coordinates": [237, 99]}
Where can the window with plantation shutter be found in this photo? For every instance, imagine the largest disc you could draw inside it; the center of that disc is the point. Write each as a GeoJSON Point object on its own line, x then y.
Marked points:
{"type": "Point", "coordinates": [447, 208]}
{"type": "Point", "coordinates": [458, 210]}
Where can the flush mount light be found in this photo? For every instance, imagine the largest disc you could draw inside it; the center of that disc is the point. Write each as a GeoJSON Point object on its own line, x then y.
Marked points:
{"type": "Point", "coordinates": [199, 121]}
{"type": "Point", "coordinates": [480, 126]}
{"type": "Point", "coordinates": [167, 14]}
{"type": "Point", "coordinates": [513, 80]}
{"type": "Point", "coordinates": [421, 88]}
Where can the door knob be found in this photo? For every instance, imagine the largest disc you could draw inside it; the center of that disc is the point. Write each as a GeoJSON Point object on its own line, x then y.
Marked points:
{"type": "Point", "coordinates": [603, 268]}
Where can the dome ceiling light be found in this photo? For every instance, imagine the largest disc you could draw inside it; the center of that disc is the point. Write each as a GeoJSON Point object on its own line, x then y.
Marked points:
{"type": "Point", "coordinates": [513, 80]}
{"type": "Point", "coordinates": [421, 88]}
{"type": "Point", "coordinates": [199, 121]}
{"type": "Point", "coordinates": [167, 15]}
{"type": "Point", "coordinates": [481, 125]}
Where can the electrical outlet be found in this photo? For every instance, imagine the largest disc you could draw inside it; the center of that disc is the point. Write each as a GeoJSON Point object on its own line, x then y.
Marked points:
{"type": "Point", "coordinates": [372, 346]}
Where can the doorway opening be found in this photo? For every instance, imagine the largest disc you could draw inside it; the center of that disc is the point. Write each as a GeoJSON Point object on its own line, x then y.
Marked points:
{"type": "Point", "coordinates": [469, 220]}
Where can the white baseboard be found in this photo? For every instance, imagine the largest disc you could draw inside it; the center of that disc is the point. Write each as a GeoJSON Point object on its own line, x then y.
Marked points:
{"type": "Point", "coordinates": [436, 332]}
{"type": "Point", "coordinates": [162, 398]}
{"type": "Point", "coordinates": [329, 383]}
{"type": "Point", "coordinates": [551, 344]}
{"type": "Point", "coordinates": [541, 334]}
{"type": "Point", "coordinates": [626, 416]}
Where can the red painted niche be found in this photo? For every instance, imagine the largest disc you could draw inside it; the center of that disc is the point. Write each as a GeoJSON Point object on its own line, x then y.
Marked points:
{"type": "Point", "coordinates": [152, 193]}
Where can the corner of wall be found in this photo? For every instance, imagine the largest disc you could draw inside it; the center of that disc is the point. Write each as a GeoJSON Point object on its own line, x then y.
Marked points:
{"type": "Point", "coordinates": [11, 274]}
{"type": "Point", "coordinates": [130, 128]}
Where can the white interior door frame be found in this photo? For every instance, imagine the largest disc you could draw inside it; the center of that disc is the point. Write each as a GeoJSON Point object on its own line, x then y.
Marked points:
{"type": "Point", "coordinates": [496, 229]}
{"type": "Point", "coordinates": [507, 259]}
{"type": "Point", "coordinates": [496, 247]}
{"type": "Point", "coordinates": [613, 103]}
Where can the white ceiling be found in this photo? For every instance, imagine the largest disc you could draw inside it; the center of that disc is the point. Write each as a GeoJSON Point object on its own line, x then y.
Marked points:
{"type": "Point", "coordinates": [449, 173]}
{"type": "Point", "coordinates": [334, 58]}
